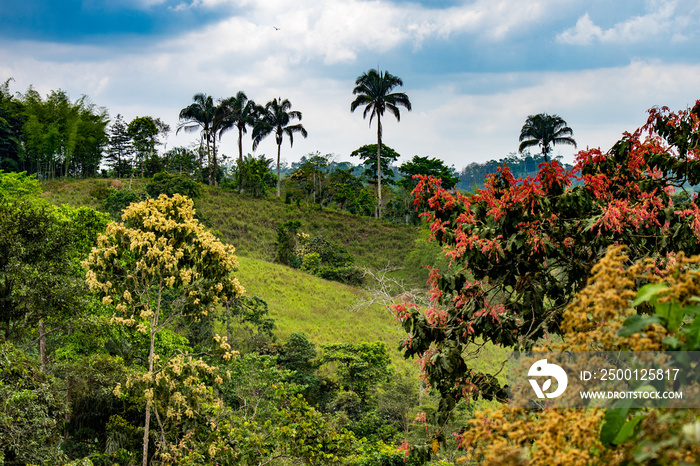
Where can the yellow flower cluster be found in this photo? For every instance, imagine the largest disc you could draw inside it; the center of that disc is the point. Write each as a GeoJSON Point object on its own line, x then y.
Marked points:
{"type": "Point", "coordinates": [515, 437]}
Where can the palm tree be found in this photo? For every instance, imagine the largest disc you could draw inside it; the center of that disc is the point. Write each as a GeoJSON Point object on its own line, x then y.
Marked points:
{"type": "Point", "coordinates": [205, 115]}
{"type": "Point", "coordinates": [373, 90]}
{"type": "Point", "coordinates": [545, 130]}
{"type": "Point", "coordinates": [240, 112]}
{"type": "Point", "coordinates": [275, 117]}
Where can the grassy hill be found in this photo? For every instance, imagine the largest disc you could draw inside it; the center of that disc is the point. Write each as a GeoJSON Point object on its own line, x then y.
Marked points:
{"type": "Point", "coordinates": [250, 224]}
{"type": "Point", "coordinates": [299, 302]}
{"type": "Point", "coordinates": [326, 311]}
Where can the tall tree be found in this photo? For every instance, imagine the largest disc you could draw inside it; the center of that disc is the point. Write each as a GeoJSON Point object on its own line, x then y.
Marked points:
{"type": "Point", "coordinates": [429, 167]}
{"type": "Point", "coordinates": [545, 130]}
{"type": "Point", "coordinates": [239, 112]}
{"type": "Point", "coordinates": [144, 136]}
{"type": "Point", "coordinates": [60, 136]}
{"type": "Point", "coordinates": [276, 118]}
{"type": "Point", "coordinates": [205, 115]}
{"type": "Point", "coordinates": [11, 123]}
{"type": "Point", "coordinates": [373, 90]}
{"type": "Point", "coordinates": [157, 266]}
{"type": "Point", "coordinates": [120, 148]}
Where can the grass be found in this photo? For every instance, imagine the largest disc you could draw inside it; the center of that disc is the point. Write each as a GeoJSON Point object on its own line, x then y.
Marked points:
{"type": "Point", "coordinates": [250, 224]}
{"type": "Point", "coordinates": [324, 310]}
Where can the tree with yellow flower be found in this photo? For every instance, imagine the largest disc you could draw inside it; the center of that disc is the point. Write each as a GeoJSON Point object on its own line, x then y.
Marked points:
{"type": "Point", "coordinates": [158, 264]}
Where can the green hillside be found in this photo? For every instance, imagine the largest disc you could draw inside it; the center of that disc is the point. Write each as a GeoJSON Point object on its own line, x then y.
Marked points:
{"type": "Point", "coordinates": [326, 311]}
{"type": "Point", "coordinates": [250, 224]}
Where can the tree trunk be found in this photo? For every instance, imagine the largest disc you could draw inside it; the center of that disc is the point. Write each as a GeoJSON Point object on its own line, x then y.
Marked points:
{"type": "Point", "coordinates": [279, 146]}
{"type": "Point", "coordinates": [379, 166]}
{"type": "Point", "coordinates": [147, 421]}
{"type": "Point", "coordinates": [42, 345]}
{"type": "Point", "coordinates": [240, 143]}
{"type": "Point", "coordinates": [213, 158]}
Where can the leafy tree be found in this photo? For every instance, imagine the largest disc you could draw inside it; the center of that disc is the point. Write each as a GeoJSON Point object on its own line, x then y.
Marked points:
{"type": "Point", "coordinates": [158, 265]}
{"type": "Point", "coordinates": [253, 175]}
{"type": "Point", "coordinates": [373, 90]}
{"type": "Point", "coordinates": [545, 130]}
{"type": "Point", "coordinates": [368, 155]}
{"type": "Point", "coordinates": [11, 123]}
{"type": "Point", "coordinates": [181, 160]}
{"type": "Point", "coordinates": [240, 113]}
{"type": "Point", "coordinates": [309, 181]}
{"type": "Point", "coordinates": [361, 365]}
{"type": "Point", "coordinates": [349, 193]}
{"type": "Point", "coordinates": [170, 183]}
{"type": "Point", "coordinates": [120, 148]}
{"type": "Point", "coordinates": [276, 118]}
{"type": "Point", "coordinates": [60, 136]}
{"type": "Point", "coordinates": [520, 249]}
{"type": "Point", "coordinates": [286, 243]}
{"type": "Point", "coordinates": [299, 355]}
{"type": "Point", "coordinates": [208, 117]}
{"type": "Point", "coordinates": [40, 286]}
{"type": "Point", "coordinates": [429, 167]}
{"type": "Point", "coordinates": [143, 132]}
{"type": "Point", "coordinates": [30, 411]}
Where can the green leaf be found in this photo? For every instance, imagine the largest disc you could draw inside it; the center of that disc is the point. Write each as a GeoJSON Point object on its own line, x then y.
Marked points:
{"type": "Point", "coordinates": [627, 430]}
{"type": "Point", "coordinates": [636, 323]}
{"type": "Point", "coordinates": [614, 420]}
{"type": "Point", "coordinates": [648, 292]}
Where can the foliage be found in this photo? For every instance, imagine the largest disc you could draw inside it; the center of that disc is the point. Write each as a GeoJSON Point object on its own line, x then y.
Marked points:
{"type": "Point", "coordinates": [144, 132]}
{"type": "Point", "coordinates": [299, 356]}
{"type": "Point", "coordinates": [18, 185]}
{"type": "Point", "coordinates": [252, 176]}
{"type": "Point", "coordinates": [521, 249]}
{"type": "Point", "coordinates": [119, 199]}
{"type": "Point", "coordinates": [315, 255]}
{"type": "Point", "coordinates": [368, 155]}
{"type": "Point", "coordinates": [29, 412]}
{"type": "Point", "coordinates": [428, 167]}
{"type": "Point", "coordinates": [373, 90]}
{"type": "Point", "coordinates": [61, 137]}
{"type": "Point", "coordinates": [158, 265]}
{"type": "Point", "coordinates": [181, 160]}
{"type": "Point", "coordinates": [170, 183]}
{"type": "Point", "coordinates": [362, 365]}
{"type": "Point", "coordinates": [603, 318]}
{"type": "Point", "coordinates": [40, 285]}
{"type": "Point", "coordinates": [522, 166]}
{"type": "Point", "coordinates": [120, 148]}
{"type": "Point", "coordinates": [276, 117]}
{"type": "Point", "coordinates": [208, 117]}
{"type": "Point", "coordinates": [240, 113]}
{"type": "Point", "coordinates": [545, 130]}
{"type": "Point", "coordinates": [11, 123]}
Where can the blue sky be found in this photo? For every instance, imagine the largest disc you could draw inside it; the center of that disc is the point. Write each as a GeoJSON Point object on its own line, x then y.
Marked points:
{"type": "Point", "coordinates": [474, 70]}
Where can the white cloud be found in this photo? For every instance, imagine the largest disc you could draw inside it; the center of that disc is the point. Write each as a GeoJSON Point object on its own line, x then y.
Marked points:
{"type": "Point", "coordinates": [670, 19]}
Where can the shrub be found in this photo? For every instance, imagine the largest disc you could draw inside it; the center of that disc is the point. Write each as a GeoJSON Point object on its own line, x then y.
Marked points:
{"type": "Point", "coordinates": [119, 199]}
{"type": "Point", "coordinates": [172, 183]}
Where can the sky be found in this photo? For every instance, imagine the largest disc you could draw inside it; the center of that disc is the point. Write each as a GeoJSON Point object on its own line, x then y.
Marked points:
{"type": "Point", "coordinates": [473, 69]}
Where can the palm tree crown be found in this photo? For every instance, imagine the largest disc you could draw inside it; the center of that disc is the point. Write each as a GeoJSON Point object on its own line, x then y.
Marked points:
{"type": "Point", "coordinates": [240, 112]}
{"type": "Point", "coordinates": [545, 130]}
{"type": "Point", "coordinates": [373, 90]}
{"type": "Point", "coordinates": [205, 115]}
{"type": "Point", "coordinates": [276, 117]}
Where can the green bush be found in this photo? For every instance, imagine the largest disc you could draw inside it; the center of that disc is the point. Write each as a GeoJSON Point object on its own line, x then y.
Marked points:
{"type": "Point", "coordinates": [172, 183]}
{"type": "Point", "coordinates": [18, 185]}
{"type": "Point", "coordinates": [119, 199]}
